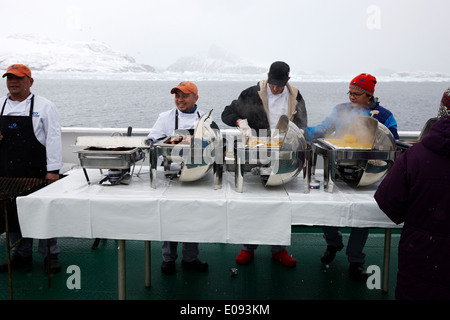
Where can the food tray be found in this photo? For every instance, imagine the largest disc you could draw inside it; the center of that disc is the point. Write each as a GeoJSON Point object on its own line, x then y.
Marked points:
{"type": "Point", "coordinates": [335, 147]}
{"type": "Point", "coordinates": [104, 158]}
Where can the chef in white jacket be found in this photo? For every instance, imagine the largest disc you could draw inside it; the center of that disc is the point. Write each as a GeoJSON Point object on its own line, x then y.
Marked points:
{"type": "Point", "coordinates": [184, 116]}
{"type": "Point", "coordinates": [30, 146]}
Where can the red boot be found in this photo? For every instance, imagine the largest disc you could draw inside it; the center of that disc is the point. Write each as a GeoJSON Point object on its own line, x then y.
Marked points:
{"type": "Point", "coordinates": [244, 257]}
{"type": "Point", "coordinates": [284, 258]}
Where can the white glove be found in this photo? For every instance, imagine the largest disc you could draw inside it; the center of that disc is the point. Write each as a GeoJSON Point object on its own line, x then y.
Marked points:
{"type": "Point", "coordinates": [175, 166]}
{"type": "Point", "coordinates": [244, 128]}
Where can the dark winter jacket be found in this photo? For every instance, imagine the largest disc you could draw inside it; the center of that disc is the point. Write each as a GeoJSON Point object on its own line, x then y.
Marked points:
{"type": "Point", "coordinates": [252, 105]}
{"type": "Point", "coordinates": [416, 191]}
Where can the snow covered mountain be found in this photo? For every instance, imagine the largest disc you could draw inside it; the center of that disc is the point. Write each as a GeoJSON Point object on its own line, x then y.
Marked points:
{"type": "Point", "coordinates": [63, 58]}
{"type": "Point", "coordinates": [215, 60]}
{"type": "Point", "coordinates": [43, 54]}
{"type": "Point", "coordinates": [77, 59]}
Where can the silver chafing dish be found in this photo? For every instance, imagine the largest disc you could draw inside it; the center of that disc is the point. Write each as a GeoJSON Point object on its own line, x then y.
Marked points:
{"type": "Point", "coordinates": [358, 166]}
{"type": "Point", "coordinates": [117, 154]}
{"type": "Point", "coordinates": [277, 159]}
{"type": "Point", "coordinates": [191, 155]}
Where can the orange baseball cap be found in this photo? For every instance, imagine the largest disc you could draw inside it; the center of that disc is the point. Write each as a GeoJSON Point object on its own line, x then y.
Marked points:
{"type": "Point", "coordinates": [19, 70]}
{"type": "Point", "coordinates": [186, 87]}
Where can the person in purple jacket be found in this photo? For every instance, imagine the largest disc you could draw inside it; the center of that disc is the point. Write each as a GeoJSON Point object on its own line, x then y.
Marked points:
{"type": "Point", "coordinates": [416, 192]}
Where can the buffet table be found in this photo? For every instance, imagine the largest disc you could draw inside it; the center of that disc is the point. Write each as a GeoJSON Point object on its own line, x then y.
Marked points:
{"type": "Point", "coordinates": [173, 211]}
{"type": "Point", "coordinates": [190, 212]}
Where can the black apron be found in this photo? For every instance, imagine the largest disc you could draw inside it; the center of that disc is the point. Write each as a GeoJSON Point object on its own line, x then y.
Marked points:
{"type": "Point", "coordinates": [191, 131]}
{"type": "Point", "coordinates": [21, 154]}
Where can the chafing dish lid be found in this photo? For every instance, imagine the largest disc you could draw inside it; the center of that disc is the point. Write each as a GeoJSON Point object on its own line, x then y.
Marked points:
{"type": "Point", "coordinates": [112, 141]}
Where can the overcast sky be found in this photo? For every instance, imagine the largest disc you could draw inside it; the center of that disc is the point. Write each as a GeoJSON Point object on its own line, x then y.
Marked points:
{"type": "Point", "coordinates": [329, 36]}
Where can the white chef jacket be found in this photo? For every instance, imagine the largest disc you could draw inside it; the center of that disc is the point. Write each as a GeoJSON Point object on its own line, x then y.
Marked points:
{"type": "Point", "coordinates": [46, 125]}
{"type": "Point", "coordinates": [165, 124]}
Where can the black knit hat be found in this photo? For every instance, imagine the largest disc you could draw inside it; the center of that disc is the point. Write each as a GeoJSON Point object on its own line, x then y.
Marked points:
{"type": "Point", "coordinates": [279, 73]}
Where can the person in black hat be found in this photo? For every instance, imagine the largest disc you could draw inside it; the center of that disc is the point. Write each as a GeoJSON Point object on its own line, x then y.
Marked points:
{"type": "Point", "coordinates": [257, 111]}
{"type": "Point", "coordinates": [260, 106]}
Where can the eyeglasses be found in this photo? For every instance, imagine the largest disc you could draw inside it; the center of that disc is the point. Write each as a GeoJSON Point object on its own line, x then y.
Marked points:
{"type": "Point", "coordinates": [355, 94]}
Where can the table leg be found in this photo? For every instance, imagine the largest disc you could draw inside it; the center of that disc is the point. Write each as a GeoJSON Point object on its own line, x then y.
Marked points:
{"type": "Point", "coordinates": [218, 172]}
{"type": "Point", "coordinates": [8, 252]}
{"type": "Point", "coordinates": [153, 162]}
{"type": "Point", "coordinates": [239, 172]}
{"type": "Point", "coordinates": [148, 260]}
{"type": "Point", "coordinates": [49, 278]}
{"type": "Point", "coordinates": [121, 262]}
{"type": "Point", "coordinates": [386, 260]}
{"type": "Point", "coordinates": [86, 175]}
{"type": "Point", "coordinates": [309, 168]}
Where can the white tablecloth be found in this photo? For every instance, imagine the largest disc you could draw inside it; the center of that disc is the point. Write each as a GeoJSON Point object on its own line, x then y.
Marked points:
{"type": "Point", "coordinates": [190, 212]}
{"type": "Point", "coordinates": [344, 207]}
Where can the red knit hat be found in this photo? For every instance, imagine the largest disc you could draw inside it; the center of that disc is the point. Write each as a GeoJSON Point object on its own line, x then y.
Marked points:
{"type": "Point", "coordinates": [364, 82]}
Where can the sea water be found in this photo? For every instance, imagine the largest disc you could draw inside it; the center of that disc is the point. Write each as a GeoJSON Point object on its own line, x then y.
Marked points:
{"type": "Point", "coordinates": [137, 103]}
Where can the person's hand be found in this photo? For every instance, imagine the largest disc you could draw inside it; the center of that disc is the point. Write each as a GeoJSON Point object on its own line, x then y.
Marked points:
{"type": "Point", "coordinates": [1, 137]}
{"type": "Point", "coordinates": [244, 128]}
{"type": "Point", "coordinates": [51, 177]}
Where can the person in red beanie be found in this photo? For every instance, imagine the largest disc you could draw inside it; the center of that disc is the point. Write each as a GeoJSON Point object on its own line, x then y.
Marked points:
{"type": "Point", "coordinates": [365, 83]}
{"type": "Point", "coordinates": [362, 102]}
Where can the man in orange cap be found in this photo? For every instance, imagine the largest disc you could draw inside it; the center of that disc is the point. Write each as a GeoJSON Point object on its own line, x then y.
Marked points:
{"type": "Point", "coordinates": [184, 116]}
{"type": "Point", "coordinates": [181, 117]}
{"type": "Point", "coordinates": [30, 146]}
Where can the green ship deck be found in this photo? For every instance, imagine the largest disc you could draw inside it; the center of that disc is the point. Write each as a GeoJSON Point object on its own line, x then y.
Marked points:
{"type": "Point", "coordinates": [262, 280]}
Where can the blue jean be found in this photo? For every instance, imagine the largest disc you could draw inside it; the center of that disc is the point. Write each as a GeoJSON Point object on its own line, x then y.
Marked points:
{"type": "Point", "coordinates": [169, 251]}
{"type": "Point", "coordinates": [356, 242]}
{"type": "Point", "coordinates": [25, 247]}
